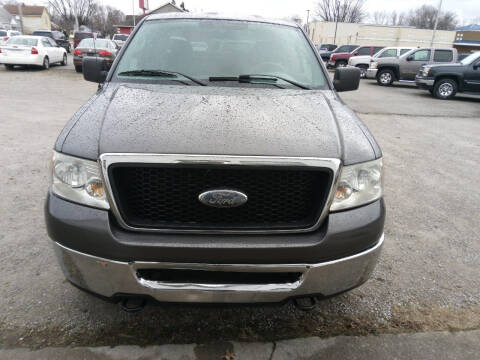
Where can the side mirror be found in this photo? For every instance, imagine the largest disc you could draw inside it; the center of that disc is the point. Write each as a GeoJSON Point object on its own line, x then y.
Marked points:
{"type": "Point", "coordinates": [346, 79]}
{"type": "Point", "coordinates": [355, 54]}
{"type": "Point", "coordinates": [410, 58]}
{"type": "Point", "coordinates": [94, 69]}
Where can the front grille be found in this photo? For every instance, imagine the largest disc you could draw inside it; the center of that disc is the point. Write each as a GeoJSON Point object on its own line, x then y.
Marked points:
{"type": "Point", "coordinates": [158, 196]}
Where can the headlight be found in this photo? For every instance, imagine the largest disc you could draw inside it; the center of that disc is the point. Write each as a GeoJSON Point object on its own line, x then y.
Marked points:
{"type": "Point", "coordinates": [374, 65]}
{"type": "Point", "coordinates": [358, 185]}
{"type": "Point", "coordinates": [426, 70]}
{"type": "Point", "coordinates": [78, 180]}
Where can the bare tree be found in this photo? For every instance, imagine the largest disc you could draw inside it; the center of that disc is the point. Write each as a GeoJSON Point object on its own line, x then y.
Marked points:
{"type": "Point", "coordinates": [296, 19]}
{"type": "Point", "coordinates": [350, 11]}
{"type": "Point", "coordinates": [65, 11]}
{"type": "Point", "coordinates": [381, 18]}
{"type": "Point", "coordinates": [424, 18]}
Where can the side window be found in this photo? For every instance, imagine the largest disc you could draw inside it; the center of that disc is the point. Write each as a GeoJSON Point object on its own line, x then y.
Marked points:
{"type": "Point", "coordinates": [421, 55]}
{"type": "Point", "coordinates": [46, 43]}
{"type": "Point", "coordinates": [404, 51]}
{"type": "Point", "coordinates": [443, 56]}
{"type": "Point", "coordinates": [388, 53]}
{"type": "Point", "coordinates": [52, 43]}
{"type": "Point", "coordinates": [376, 49]}
{"type": "Point", "coordinates": [364, 51]}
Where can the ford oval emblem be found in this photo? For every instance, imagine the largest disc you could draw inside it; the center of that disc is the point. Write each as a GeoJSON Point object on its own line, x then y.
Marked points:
{"type": "Point", "coordinates": [223, 198]}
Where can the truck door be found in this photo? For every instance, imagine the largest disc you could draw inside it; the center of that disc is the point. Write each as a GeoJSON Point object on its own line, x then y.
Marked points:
{"type": "Point", "coordinates": [472, 76]}
{"type": "Point", "coordinates": [410, 66]}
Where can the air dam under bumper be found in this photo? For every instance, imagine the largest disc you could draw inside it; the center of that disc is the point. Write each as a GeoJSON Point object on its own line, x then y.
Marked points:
{"type": "Point", "coordinates": [108, 278]}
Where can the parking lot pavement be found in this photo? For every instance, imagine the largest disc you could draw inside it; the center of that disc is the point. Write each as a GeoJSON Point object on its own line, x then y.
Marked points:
{"type": "Point", "coordinates": [427, 278]}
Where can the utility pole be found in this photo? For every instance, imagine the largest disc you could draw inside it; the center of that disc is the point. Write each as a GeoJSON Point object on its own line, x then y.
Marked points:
{"type": "Point", "coordinates": [20, 14]}
{"type": "Point", "coordinates": [308, 18]}
{"type": "Point", "coordinates": [436, 22]}
{"type": "Point", "coordinates": [336, 26]}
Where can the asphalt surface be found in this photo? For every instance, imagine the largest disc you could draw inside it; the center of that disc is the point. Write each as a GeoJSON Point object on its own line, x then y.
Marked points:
{"type": "Point", "coordinates": [427, 278]}
{"type": "Point", "coordinates": [426, 346]}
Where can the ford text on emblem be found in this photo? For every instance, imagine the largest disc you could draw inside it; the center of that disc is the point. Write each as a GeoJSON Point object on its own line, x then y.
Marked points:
{"type": "Point", "coordinates": [223, 198]}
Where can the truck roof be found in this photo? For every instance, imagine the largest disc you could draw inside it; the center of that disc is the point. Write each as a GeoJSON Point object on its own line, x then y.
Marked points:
{"type": "Point", "coordinates": [216, 16]}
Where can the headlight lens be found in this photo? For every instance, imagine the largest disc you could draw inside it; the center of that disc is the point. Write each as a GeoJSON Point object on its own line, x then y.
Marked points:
{"type": "Point", "coordinates": [78, 180]}
{"type": "Point", "coordinates": [426, 70]}
{"type": "Point", "coordinates": [358, 185]}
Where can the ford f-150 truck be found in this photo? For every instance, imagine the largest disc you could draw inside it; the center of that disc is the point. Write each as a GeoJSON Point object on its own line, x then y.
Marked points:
{"type": "Point", "coordinates": [406, 67]}
{"type": "Point", "coordinates": [216, 163]}
{"type": "Point", "coordinates": [445, 80]}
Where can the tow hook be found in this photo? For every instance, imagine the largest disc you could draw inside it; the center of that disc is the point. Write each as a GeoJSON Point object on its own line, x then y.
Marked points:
{"type": "Point", "coordinates": [305, 303]}
{"type": "Point", "coordinates": [133, 304]}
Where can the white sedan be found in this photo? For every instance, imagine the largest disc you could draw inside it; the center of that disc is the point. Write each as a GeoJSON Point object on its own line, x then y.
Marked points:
{"type": "Point", "coordinates": [32, 50]}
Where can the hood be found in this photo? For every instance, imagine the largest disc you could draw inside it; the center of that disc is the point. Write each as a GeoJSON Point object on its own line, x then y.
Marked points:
{"type": "Point", "coordinates": [344, 54]}
{"type": "Point", "coordinates": [447, 65]}
{"type": "Point", "coordinates": [133, 118]}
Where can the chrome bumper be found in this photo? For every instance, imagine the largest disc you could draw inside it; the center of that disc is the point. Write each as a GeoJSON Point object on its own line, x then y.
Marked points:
{"type": "Point", "coordinates": [108, 278]}
{"type": "Point", "coordinates": [425, 82]}
{"type": "Point", "coordinates": [371, 73]}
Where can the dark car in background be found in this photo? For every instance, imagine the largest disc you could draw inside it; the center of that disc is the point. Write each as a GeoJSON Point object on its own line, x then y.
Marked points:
{"type": "Point", "coordinates": [79, 36]}
{"type": "Point", "coordinates": [103, 48]}
{"type": "Point", "coordinates": [341, 49]}
{"type": "Point", "coordinates": [57, 36]}
{"type": "Point", "coordinates": [444, 81]}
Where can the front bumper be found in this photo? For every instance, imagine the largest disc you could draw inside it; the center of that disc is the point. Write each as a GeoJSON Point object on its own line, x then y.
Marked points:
{"type": "Point", "coordinates": [113, 278]}
{"type": "Point", "coordinates": [424, 83]}
{"type": "Point", "coordinates": [372, 73]}
{"type": "Point", "coordinates": [98, 255]}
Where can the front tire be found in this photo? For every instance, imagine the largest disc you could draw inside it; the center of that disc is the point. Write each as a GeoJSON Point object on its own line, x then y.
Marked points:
{"type": "Point", "coordinates": [64, 61]}
{"type": "Point", "coordinates": [46, 63]}
{"type": "Point", "coordinates": [385, 77]}
{"type": "Point", "coordinates": [445, 89]}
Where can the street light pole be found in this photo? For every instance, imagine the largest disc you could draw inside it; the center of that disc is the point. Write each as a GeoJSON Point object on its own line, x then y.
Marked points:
{"type": "Point", "coordinates": [308, 18]}
{"type": "Point", "coordinates": [133, 8]}
{"type": "Point", "coordinates": [436, 22]}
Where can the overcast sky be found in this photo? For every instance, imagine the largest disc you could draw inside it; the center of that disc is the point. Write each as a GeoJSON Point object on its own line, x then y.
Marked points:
{"type": "Point", "coordinates": [465, 9]}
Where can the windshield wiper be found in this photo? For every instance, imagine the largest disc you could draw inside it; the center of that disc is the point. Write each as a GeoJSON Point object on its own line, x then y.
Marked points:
{"type": "Point", "coordinates": [161, 73]}
{"type": "Point", "coordinates": [258, 77]}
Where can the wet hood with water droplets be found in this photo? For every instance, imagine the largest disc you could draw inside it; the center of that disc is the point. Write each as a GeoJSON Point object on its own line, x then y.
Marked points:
{"type": "Point", "coordinates": [141, 118]}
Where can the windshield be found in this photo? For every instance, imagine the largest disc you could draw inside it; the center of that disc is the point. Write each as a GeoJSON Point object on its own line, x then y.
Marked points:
{"type": "Point", "coordinates": [42, 33]}
{"type": "Point", "coordinates": [471, 58]}
{"type": "Point", "coordinates": [206, 49]}
{"type": "Point", "coordinates": [120, 37]}
{"type": "Point", "coordinates": [346, 48]}
{"type": "Point", "coordinates": [88, 43]}
{"type": "Point", "coordinates": [19, 40]}
{"type": "Point", "coordinates": [83, 35]}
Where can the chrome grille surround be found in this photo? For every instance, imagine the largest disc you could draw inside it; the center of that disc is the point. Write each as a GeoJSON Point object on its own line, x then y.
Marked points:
{"type": "Point", "coordinates": [108, 159]}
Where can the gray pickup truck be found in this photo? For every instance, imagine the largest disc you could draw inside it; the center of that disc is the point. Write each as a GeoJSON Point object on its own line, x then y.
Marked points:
{"type": "Point", "coordinates": [406, 67]}
{"type": "Point", "coordinates": [216, 163]}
